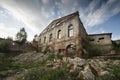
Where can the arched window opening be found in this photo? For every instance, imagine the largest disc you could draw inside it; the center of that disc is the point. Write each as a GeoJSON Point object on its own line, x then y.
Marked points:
{"type": "Point", "coordinates": [59, 34]}
{"type": "Point", "coordinates": [50, 39]}
{"type": "Point", "coordinates": [70, 30]}
{"type": "Point", "coordinates": [44, 39]}
{"type": "Point", "coordinates": [40, 40]}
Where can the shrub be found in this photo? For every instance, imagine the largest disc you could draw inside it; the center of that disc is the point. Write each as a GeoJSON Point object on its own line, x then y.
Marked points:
{"type": "Point", "coordinates": [116, 47]}
{"type": "Point", "coordinates": [47, 50]}
{"type": "Point", "coordinates": [4, 45]}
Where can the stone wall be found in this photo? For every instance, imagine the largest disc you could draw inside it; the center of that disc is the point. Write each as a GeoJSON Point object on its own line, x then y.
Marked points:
{"type": "Point", "coordinates": [101, 39]}
{"type": "Point", "coordinates": [27, 47]}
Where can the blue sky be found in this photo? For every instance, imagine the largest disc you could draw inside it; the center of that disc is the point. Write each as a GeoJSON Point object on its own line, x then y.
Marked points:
{"type": "Point", "coordinates": [98, 16]}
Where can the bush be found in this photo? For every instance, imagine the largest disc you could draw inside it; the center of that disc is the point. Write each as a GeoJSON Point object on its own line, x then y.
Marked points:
{"type": "Point", "coordinates": [4, 45]}
{"type": "Point", "coordinates": [116, 47]}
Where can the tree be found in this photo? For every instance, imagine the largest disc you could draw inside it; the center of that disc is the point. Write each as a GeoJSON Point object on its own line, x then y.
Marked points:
{"type": "Point", "coordinates": [21, 36]}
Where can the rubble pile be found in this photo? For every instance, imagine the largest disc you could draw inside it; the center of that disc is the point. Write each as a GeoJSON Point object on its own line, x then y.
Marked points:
{"type": "Point", "coordinates": [86, 69]}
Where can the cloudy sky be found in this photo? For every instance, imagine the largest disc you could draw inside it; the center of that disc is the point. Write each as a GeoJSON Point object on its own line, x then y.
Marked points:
{"type": "Point", "coordinates": [98, 16]}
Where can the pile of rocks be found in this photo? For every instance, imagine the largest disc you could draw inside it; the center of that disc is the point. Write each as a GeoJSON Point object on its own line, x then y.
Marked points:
{"type": "Point", "coordinates": [90, 69]}
{"type": "Point", "coordinates": [86, 69]}
{"type": "Point", "coordinates": [31, 56]}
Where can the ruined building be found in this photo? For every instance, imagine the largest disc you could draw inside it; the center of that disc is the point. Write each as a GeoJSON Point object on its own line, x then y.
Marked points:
{"type": "Point", "coordinates": [66, 35]}
{"type": "Point", "coordinates": [103, 40]}
{"type": "Point", "coordinates": [63, 34]}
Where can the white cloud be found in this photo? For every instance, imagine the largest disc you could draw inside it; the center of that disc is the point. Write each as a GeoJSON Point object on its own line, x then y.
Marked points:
{"type": "Point", "coordinates": [96, 31]}
{"type": "Point", "coordinates": [115, 36]}
{"type": "Point", "coordinates": [66, 7]}
{"type": "Point", "coordinates": [100, 15]}
{"type": "Point", "coordinates": [36, 14]}
{"type": "Point", "coordinates": [7, 32]}
{"type": "Point", "coordinates": [90, 15]}
{"type": "Point", "coordinates": [21, 14]}
{"type": "Point", "coordinates": [33, 15]}
{"type": "Point", "coordinates": [45, 1]}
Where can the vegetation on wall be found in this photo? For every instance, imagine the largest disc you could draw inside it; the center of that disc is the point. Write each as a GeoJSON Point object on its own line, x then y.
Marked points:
{"type": "Point", "coordinates": [92, 49]}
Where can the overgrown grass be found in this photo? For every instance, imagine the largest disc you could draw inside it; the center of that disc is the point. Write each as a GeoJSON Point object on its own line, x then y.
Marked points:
{"type": "Point", "coordinates": [20, 66]}
{"type": "Point", "coordinates": [7, 64]}
{"type": "Point", "coordinates": [51, 57]}
{"type": "Point", "coordinates": [115, 73]}
{"type": "Point", "coordinates": [49, 74]}
{"type": "Point", "coordinates": [45, 74]}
